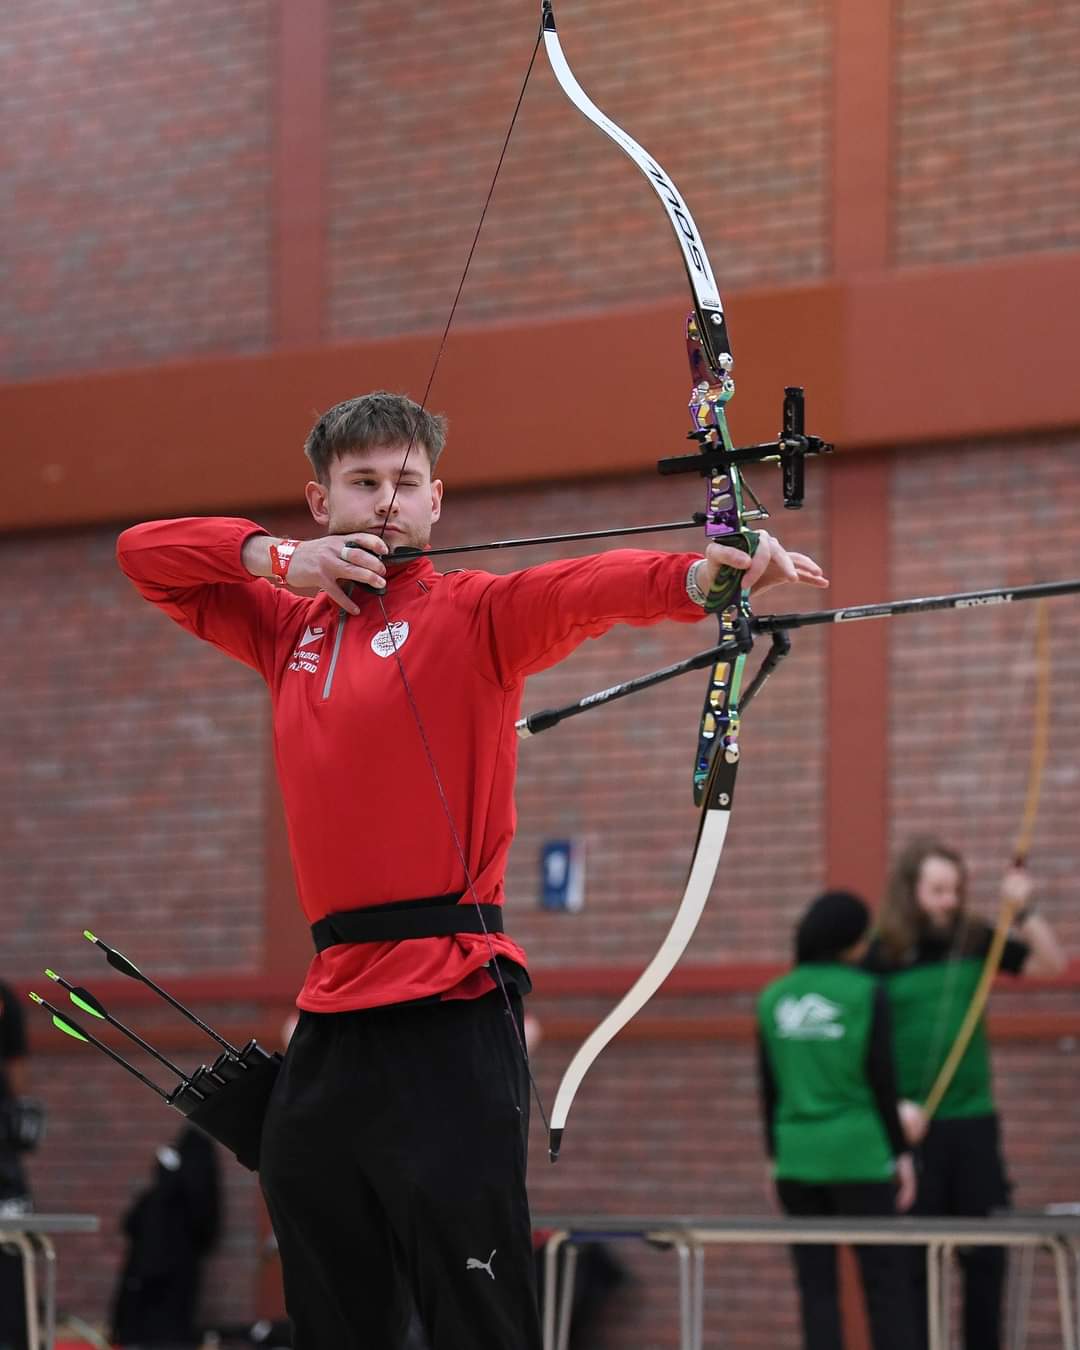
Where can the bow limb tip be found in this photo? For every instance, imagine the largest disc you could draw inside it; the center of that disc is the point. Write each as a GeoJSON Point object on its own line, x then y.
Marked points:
{"type": "Point", "coordinates": [554, 1144]}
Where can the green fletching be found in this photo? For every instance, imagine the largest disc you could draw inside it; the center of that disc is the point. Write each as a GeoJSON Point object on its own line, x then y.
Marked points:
{"type": "Point", "coordinates": [67, 1028]}
{"type": "Point", "coordinates": [80, 999]}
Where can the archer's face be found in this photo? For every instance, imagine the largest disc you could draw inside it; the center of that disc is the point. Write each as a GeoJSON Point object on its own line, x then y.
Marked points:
{"type": "Point", "coordinates": [938, 891]}
{"type": "Point", "coordinates": [361, 496]}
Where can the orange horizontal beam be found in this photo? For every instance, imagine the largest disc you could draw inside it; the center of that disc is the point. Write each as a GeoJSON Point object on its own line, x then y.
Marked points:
{"type": "Point", "coordinates": [905, 357]}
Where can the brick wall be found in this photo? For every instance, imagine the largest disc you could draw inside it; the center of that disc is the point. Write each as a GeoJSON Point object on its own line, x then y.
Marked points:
{"type": "Point", "coordinates": [411, 155]}
{"type": "Point", "coordinates": [136, 166]}
{"type": "Point", "coordinates": [133, 775]}
{"type": "Point", "coordinates": [137, 220]}
{"type": "Point", "coordinates": [669, 1118]}
{"type": "Point", "coordinates": [987, 129]}
{"type": "Point", "coordinates": [964, 686]}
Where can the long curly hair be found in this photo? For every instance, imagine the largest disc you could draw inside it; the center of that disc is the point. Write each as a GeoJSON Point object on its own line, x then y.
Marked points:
{"type": "Point", "coordinates": [901, 922]}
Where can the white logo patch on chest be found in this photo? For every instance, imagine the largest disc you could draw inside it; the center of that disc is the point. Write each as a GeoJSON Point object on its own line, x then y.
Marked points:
{"type": "Point", "coordinates": [387, 640]}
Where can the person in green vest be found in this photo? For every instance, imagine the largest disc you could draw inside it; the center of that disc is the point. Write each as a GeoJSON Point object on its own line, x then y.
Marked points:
{"type": "Point", "coordinates": [831, 1123]}
{"type": "Point", "coordinates": [931, 951]}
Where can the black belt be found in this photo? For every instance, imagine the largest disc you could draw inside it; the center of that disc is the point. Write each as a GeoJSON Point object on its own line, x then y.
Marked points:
{"type": "Point", "coordinates": [434, 916]}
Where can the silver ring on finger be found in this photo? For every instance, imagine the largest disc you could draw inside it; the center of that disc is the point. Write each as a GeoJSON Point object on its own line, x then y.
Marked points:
{"type": "Point", "coordinates": [344, 553]}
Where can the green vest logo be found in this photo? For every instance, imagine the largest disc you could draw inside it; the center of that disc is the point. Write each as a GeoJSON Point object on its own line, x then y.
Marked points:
{"type": "Point", "coordinates": [810, 1018]}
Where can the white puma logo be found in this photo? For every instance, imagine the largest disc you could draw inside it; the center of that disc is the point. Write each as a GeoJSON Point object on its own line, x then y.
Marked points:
{"type": "Point", "coordinates": [473, 1264]}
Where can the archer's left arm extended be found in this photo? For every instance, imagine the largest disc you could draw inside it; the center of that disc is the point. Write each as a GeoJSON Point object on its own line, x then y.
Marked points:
{"type": "Point", "coordinates": [536, 617]}
{"type": "Point", "coordinates": [531, 620]}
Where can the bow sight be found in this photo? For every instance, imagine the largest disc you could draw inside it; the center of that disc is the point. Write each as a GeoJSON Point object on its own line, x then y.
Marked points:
{"type": "Point", "coordinates": [789, 450]}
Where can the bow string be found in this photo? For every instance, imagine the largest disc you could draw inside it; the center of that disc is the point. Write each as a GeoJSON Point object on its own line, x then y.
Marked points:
{"type": "Point", "coordinates": [730, 508]}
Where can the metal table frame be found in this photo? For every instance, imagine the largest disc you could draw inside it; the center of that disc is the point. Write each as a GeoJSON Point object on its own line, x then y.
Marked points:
{"type": "Point", "coordinates": [32, 1234]}
{"type": "Point", "coordinates": [688, 1237]}
{"type": "Point", "coordinates": [1021, 1275]}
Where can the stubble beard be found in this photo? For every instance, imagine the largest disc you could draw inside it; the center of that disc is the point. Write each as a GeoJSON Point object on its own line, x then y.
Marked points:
{"type": "Point", "coordinates": [409, 538]}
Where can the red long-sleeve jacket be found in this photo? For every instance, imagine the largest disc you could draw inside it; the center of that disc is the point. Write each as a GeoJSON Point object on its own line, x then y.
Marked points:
{"type": "Point", "coordinates": [366, 824]}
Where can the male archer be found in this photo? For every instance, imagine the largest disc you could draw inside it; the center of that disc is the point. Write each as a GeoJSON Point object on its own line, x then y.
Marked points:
{"type": "Point", "coordinates": [394, 1148]}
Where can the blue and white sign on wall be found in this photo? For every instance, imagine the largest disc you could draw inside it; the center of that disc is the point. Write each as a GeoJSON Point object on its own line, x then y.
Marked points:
{"type": "Point", "coordinates": [562, 875]}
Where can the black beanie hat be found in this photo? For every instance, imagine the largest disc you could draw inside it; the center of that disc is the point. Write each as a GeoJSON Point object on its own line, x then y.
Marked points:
{"type": "Point", "coordinates": [834, 922]}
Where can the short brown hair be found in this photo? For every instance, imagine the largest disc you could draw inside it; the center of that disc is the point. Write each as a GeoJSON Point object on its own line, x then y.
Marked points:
{"type": "Point", "coordinates": [377, 419]}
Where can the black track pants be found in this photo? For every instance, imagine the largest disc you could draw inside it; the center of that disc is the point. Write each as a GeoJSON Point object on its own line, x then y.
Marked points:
{"type": "Point", "coordinates": [393, 1165]}
{"type": "Point", "coordinates": [962, 1175]}
{"type": "Point", "coordinates": [890, 1309]}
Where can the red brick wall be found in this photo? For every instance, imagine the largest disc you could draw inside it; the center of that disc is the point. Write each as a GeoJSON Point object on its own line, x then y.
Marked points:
{"type": "Point", "coordinates": [571, 227]}
{"type": "Point", "coordinates": [137, 173]}
{"type": "Point", "coordinates": [964, 684]}
{"type": "Point", "coordinates": [987, 129]}
{"type": "Point", "coordinates": [132, 781]}
{"type": "Point", "coordinates": [145, 193]}
{"type": "Point", "coordinates": [668, 1121]}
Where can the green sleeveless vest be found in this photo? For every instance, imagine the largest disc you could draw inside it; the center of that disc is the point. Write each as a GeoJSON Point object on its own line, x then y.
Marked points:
{"type": "Point", "coordinates": [815, 1023]}
{"type": "Point", "coordinates": [928, 1003]}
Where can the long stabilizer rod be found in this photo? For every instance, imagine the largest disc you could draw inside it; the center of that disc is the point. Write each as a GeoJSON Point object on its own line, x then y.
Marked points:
{"type": "Point", "coordinates": [536, 722]}
{"type": "Point", "coordinates": [891, 609]}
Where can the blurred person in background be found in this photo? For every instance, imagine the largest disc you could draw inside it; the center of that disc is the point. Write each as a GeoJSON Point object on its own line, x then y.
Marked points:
{"type": "Point", "coordinates": [171, 1229]}
{"type": "Point", "coordinates": [21, 1128]}
{"type": "Point", "coordinates": [931, 950]}
{"type": "Point", "coordinates": [832, 1128]}
{"type": "Point", "coordinates": [394, 1146]}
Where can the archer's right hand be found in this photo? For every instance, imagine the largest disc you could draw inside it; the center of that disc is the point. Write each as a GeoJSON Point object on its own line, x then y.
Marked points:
{"type": "Point", "coordinates": [324, 564]}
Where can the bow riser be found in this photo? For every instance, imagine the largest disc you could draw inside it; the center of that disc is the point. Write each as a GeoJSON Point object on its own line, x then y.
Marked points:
{"type": "Point", "coordinates": [727, 518]}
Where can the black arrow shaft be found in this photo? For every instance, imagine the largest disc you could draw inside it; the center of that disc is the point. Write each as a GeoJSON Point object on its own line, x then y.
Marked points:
{"type": "Point", "coordinates": [120, 962]}
{"type": "Point", "coordinates": [105, 1050]}
{"type": "Point", "coordinates": [403, 555]}
{"type": "Point", "coordinates": [124, 1030]}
